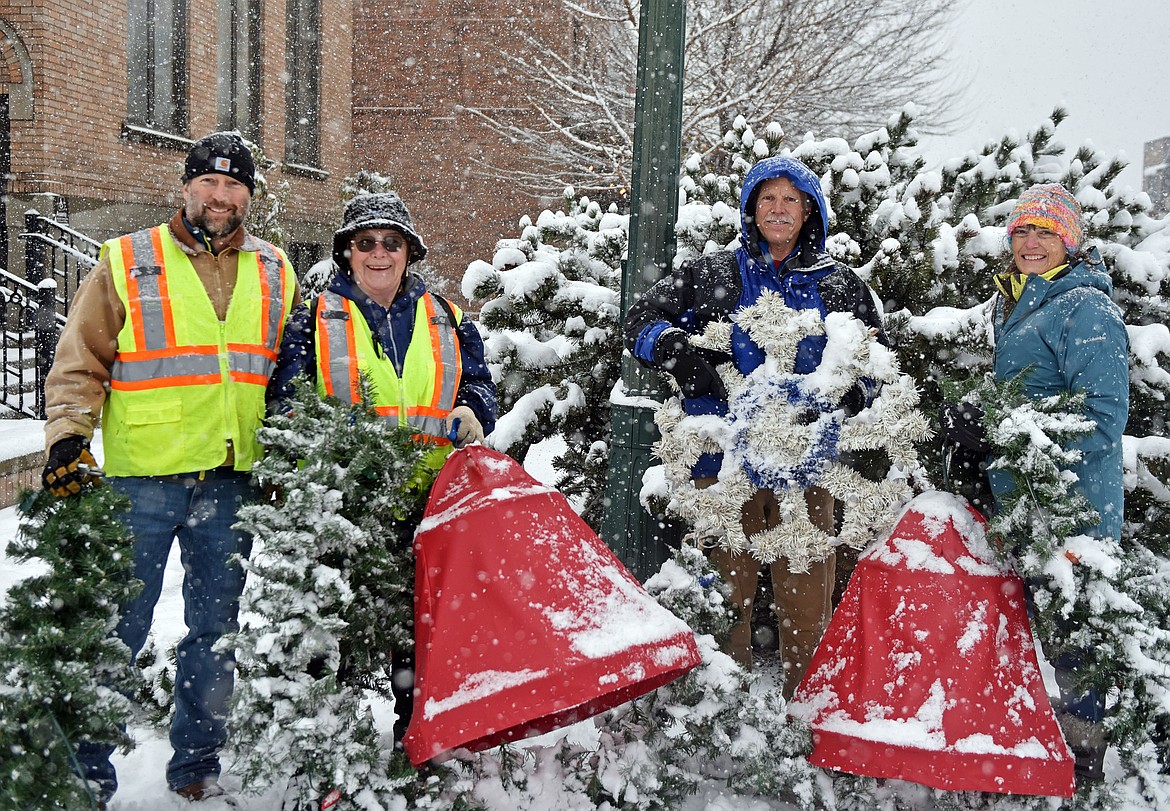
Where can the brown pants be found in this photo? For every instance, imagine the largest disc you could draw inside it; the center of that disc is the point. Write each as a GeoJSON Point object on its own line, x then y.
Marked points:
{"type": "Point", "coordinates": [804, 601]}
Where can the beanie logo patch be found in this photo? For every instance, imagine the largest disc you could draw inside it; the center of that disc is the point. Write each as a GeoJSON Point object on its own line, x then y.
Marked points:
{"type": "Point", "coordinates": [222, 164]}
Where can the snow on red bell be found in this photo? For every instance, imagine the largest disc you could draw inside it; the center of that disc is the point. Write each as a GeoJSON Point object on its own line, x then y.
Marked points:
{"type": "Point", "coordinates": [928, 671]}
{"type": "Point", "coordinates": [524, 620]}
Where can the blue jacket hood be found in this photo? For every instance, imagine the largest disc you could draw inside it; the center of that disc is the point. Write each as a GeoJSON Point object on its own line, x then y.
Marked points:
{"type": "Point", "coordinates": [816, 227]}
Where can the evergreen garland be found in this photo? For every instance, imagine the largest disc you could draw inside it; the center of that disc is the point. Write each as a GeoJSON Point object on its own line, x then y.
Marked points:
{"type": "Point", "coordinates": [62, 672]}
{"type": "Point", "coordinates": [329, 598]}
{"type": "Point", "coordinates": [1103, 598]}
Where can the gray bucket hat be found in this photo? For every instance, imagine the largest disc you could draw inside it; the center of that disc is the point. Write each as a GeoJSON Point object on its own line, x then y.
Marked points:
{"type": "Point", "coordinates": [382, 210]}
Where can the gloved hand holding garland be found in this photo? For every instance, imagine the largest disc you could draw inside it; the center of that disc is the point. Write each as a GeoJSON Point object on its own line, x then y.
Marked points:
{"type": "Point", "coordinates": [70, 467]}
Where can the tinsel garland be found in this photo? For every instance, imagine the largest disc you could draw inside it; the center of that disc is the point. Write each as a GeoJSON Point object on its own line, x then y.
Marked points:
{"type": "Point", "coordinates": [784, 431]}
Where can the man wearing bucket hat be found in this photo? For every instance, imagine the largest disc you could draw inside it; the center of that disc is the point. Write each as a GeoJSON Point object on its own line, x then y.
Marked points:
{"type": "Point", "coordinates": [172, 339]}
{"type": "Point", "coordinates": [1056, 324]}
{"type": "Point", "coordinates": [424, 357]}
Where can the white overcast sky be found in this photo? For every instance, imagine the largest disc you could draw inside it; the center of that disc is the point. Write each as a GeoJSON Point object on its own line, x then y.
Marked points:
{"type": "Point", "coordinates": [1108, 61]}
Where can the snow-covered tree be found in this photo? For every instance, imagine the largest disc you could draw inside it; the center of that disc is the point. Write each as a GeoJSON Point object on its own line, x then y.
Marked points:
{"type": "Point", "coordinates": [62, 672]}
{"type": "Point", "coordinates": [812, 65]}
{"type": "Point", "coordinates": [1103, 599]}
{"type": "Point", "coordinates": [365, 181]}
{"type": "Point", "coordinates": [929, 241]}
{"type": "Point", "coordinates": [327, 602]}
{"type": "Point", "coordinates": [550, 324]}
{"type": "Point", "coordinates": [266, 217]}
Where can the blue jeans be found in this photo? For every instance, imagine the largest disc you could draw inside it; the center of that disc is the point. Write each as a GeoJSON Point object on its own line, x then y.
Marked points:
{"type": "Point", "coordinates": [200, 514]}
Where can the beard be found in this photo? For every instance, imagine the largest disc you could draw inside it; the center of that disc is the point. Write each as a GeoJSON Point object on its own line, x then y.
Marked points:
{"type": "Point", "coordinates": [214, 225]}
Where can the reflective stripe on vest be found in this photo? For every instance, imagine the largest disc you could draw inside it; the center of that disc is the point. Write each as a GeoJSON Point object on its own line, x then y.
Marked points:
{"type": "Point", "coordinates": [343, 350]}
{"type": "Point", "coordinates": [185, 384]}
{"type": "Point", "coordinates": [157, 361]}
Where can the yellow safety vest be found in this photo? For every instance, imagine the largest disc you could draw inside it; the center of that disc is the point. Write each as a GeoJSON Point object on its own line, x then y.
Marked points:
{"type": "Point", "coordinates": [183, 383]}
{"type": "Point", "coordinates": [425, 394]}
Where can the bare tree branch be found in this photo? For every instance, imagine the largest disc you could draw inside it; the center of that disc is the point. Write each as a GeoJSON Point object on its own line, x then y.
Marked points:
{"type": "Point", "coordinates": [836, 66]}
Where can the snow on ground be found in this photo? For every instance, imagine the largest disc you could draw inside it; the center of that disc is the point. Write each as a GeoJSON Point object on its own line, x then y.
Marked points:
{"type": "Point", "coordinates": [141, 773]}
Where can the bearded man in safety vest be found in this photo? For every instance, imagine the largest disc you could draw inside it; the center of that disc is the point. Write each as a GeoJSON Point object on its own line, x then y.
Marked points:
{"type": "Point", "coordinates": [172, 338]}
{"type": "Point", "coordinates": [424, 358]}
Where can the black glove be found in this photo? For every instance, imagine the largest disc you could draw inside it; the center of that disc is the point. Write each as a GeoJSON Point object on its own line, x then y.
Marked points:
{"type": "Point", "coordinates": [70, 467]}
{"type": "Point", "coordinates": [962, 423]}
{"type": "Point", "coordinates": [854, 400]}
{"type": "Point", "coordinates": [807, 416]}
{"type": "Point", "coordinates": [692, 367]}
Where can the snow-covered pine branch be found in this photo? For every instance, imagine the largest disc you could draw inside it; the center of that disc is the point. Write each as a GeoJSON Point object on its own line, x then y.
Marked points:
{"type": "Point", "coordinates": [329, 597]}
{"type": "Point", "coordinates": [1099, 597]}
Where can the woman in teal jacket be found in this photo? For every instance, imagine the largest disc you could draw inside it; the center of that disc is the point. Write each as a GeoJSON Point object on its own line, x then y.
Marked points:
{"type": "Point", "coordinates": [1055, 322]}
{"type": "Point", "coordinates": [1056, 319]}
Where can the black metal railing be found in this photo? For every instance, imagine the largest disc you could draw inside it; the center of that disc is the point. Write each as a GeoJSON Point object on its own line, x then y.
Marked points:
{"type": "Point", "coordinates": [33, 308]}
{"type": "Point", "coordinates": [54, 251]}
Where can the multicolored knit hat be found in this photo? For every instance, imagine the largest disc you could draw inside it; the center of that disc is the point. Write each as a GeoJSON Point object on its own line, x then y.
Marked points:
{"type": "Point", "coordinates": [1051, 206]}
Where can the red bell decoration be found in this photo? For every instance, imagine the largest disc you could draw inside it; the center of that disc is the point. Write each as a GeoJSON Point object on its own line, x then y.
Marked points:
{"type": "Point", "coordinates": [928, 671]}
{"type": "Point", "coordinates": [525, 621]}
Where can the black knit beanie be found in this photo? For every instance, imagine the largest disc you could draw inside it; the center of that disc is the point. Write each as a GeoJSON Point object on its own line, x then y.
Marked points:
{"type": "Point", "coordinates": [382, 210]}
{"type": "Point", "coordinates": [222, 153]}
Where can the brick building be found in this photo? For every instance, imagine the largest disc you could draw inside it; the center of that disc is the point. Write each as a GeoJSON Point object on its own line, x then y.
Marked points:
{"type": "Point", "coordinates": [419, 65]}
{"type": "Point", "coordinates": [1156, 173]}
{"type": "Point", "coordinates": [99, 101]}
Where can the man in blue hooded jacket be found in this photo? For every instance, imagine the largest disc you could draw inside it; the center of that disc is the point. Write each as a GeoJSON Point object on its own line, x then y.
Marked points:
{"type": "Point", "coordinates": [781, 249]}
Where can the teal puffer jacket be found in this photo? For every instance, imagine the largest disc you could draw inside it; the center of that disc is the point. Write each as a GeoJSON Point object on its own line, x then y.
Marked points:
{"type": "Point", "coordinates": [1072, 336]}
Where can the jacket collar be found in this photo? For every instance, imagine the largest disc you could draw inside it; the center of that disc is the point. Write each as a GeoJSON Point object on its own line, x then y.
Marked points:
{"type": "Point", "coordinates": [1087, 273]}
{"type": "Point", "coordinates": [412, 289]}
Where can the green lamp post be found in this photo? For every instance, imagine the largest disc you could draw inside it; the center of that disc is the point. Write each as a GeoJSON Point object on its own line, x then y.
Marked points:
{"type": "Point", "coordinates": [642, 540]}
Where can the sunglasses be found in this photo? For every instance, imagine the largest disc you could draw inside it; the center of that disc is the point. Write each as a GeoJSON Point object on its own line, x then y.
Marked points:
{"type": "Point", "coordinates": [367, 244]}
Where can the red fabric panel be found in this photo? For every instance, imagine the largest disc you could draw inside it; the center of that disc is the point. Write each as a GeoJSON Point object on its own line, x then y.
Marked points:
{"type": "Point", "coordinates": [524, 620]}
{"type": "Point", "coordinates": [927, 671]}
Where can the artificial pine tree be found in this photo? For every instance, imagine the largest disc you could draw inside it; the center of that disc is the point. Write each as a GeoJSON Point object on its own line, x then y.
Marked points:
{"type": "Point", "coordinates": [329, 599]}
{"type": "Point", "coordinates": [155, 694]}
{"type": "Point", "coordinates": [266, 217]}
{"type": "Point", "coordinates": [62, 672]}
{"type": "Point", "coordinates": [365, 181]}
{"type": "Point", "coordinates": [1096, 596]}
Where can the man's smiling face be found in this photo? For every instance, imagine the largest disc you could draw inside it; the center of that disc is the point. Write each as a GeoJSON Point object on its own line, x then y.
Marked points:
{"type": "Point", "coordinates": [781, 210]}
{"type": "Point", "coordinates": [216, 203]}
